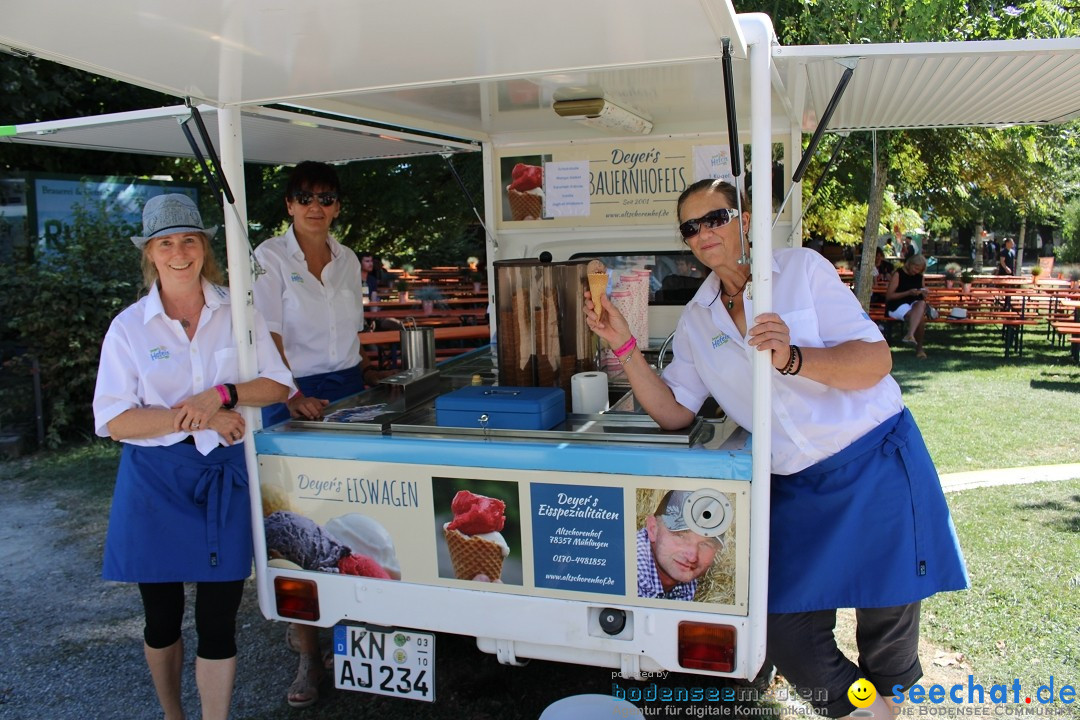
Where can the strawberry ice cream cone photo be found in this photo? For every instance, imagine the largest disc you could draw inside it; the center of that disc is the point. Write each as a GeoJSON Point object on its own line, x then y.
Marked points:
{"type": "Point", "coordinates": [524, 188]}
{"type": "Point", "coordinates": [477, 533]}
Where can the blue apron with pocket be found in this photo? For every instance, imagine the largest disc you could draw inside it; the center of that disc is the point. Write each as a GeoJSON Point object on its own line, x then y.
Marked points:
{"type": "Point", "coordinates": [867, 527]}
{"type": "Point", "coordinates": [179, 516]}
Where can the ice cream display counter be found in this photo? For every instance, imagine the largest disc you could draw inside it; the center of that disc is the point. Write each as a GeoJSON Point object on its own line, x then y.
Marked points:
{"type": "Point", "coordinates": [494, 525]}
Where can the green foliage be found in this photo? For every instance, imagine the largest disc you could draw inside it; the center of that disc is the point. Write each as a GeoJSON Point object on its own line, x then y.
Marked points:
{"type": "Point", "coordinates": [1069, 250]}
{"type": "Point", "coordinates": [35, 90]}
{"type": "Point", "coordinates": [409, 211]}
{"type": "Point", "coordinates": [58, 310]}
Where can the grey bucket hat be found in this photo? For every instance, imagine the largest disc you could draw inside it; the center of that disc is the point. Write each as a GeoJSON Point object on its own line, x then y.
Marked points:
{"type": "Point", "coordinates": [168, 214]}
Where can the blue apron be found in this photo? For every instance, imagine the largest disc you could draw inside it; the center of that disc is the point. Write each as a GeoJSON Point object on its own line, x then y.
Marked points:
{"type": "Point", "coordinates": [179, 516]}
{"type": "Point", "coordinates": [867, 527]}
{"type": "Point", "coordinates": [330, 386]}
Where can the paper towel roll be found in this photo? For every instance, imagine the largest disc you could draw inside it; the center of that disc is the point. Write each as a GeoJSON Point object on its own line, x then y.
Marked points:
{"type": "Point", "coordinates": [588, 393]}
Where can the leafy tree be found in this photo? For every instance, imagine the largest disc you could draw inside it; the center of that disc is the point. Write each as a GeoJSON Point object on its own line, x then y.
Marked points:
{"type": "Point", "coordinates": [962, 172]}
{"type": "Point", "coordinates": [410, 211]}
{"type": "Point", "coordinates": [1070, 249]}
{"type": "Point", "coordinates": [35, 90]}
{"type": "Point", "coordinates": [58, 309]}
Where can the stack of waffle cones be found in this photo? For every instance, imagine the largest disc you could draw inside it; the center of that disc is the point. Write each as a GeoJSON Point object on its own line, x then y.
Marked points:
{"type": "Point", "coordinates": [525, 206]}
{"type": "Point", "coordinates": [473, 555]}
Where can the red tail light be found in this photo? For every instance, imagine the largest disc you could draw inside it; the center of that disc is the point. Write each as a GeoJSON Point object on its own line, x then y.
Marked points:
{"type": "Point", "coordinates": [297, 599]}
{"type": "Point", "coordinates": [703, 646]}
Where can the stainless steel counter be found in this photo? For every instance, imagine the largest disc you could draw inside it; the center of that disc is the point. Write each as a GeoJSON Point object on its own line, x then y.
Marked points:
{"type": "Point", "coordinates": [404, 405]}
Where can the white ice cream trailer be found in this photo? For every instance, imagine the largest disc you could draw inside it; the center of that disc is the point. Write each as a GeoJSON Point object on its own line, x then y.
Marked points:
{"type": "Point", "coordinates": [609, 108]}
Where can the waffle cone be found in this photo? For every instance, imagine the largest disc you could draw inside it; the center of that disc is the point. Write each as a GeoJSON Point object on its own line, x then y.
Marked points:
{"type": "Point", "coordinates": [525, 206]}
{"type": "Point", "coordinates": [473, 556]}
{"type": "Point", "coordinates": [598, 287]}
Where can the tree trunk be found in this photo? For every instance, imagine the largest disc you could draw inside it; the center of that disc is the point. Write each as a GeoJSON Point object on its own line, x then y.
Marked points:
{"type": "Point", "coordinates": [873, 222]}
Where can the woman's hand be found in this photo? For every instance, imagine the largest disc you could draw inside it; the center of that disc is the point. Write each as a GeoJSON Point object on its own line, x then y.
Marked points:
{"type": "Point", "coordinates": [195, 412]}
{"type": "Point", "coordinates": [306, 407]}
{"type": "Point", "coordinates": [229, 424]}
{"type": "Point", "coordinates": [614, 328]}
{"type": "Point", "coordinates": [771, 333]}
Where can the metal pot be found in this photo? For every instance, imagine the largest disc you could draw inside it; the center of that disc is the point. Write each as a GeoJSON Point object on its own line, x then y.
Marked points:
{"type": "Point", "coordinates": [417, 347]}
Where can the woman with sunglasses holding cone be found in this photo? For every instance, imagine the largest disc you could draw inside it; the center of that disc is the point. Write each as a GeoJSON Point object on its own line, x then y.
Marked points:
{"type": "Point", "coordinates": [858, 516]}
{"type": "Point", "coordinates": [311, 298]}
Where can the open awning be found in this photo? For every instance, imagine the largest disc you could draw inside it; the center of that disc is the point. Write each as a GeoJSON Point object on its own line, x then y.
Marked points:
{"type": "Point", "coordinates": [924, 85]}
{"type": "Point", "coordinates": [270, 136]}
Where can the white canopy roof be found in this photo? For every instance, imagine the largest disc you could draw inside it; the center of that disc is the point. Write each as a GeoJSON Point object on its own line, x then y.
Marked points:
{"type": "Point", "coordinates": [270, 136]}
{"type": "Point", "coordinates": [483, 69]}
{"type": "Point", "coordinates": [913, 85]}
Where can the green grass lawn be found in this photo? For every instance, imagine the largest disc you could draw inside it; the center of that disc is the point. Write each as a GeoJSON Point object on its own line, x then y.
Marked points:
{"type": "Point", "coordinates": [979, 410]}
{"type": "Point", "coordinates": [1021, 617]}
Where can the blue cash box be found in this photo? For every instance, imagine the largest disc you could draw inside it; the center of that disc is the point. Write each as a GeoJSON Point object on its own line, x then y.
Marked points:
{"type": "Point", "coordinates": [500, 407]}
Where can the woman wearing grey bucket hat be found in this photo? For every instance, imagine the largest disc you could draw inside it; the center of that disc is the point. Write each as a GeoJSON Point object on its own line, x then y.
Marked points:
{"type": "Point", "coordinates": [167, 384]}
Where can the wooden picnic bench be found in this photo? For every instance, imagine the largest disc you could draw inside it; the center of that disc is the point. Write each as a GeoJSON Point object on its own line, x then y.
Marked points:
{"type": "Point", "coordinates": [449, 341]}
{"type": "Point", "coordinates": [979, 312]}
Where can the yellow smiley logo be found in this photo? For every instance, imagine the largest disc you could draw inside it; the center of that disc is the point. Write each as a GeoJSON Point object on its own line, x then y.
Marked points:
{"type": "Point", "coordinates": [861, 693]}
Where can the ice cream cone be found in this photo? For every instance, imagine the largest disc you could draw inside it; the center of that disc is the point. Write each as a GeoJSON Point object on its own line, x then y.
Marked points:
{"type": "Point", "coordinates": [598, 286]}
{"type": "Point", "coordinates": [524, 205]}
{"type": "Point", "coordinates": [473, 555]}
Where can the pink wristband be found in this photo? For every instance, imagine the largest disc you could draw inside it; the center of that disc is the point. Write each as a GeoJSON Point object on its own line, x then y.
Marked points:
{"type": "Point", "coordinates": [223, 393]}
{"type": "Point", "coordinates": [627, 347]}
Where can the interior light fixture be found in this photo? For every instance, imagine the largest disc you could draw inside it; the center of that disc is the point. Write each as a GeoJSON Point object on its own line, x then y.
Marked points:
{"type": "Point", "coordinates": [603, 114]}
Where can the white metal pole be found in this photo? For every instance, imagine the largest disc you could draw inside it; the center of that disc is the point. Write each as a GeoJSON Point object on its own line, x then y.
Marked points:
{"type": "Point", "coordinates": [238, 251]}
{"type": "Point", "coordinates": [491, 243]}
{"type": "Point", "coordinates": [757, 28]}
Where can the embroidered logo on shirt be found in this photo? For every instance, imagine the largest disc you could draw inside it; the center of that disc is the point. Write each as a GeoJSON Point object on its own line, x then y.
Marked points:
{"type": "Point", "coordinates": [720, 340]}
{"type": "Point", "coordinates": [159, 353]}
{"type": "Point", "coordinates": [296, 278]}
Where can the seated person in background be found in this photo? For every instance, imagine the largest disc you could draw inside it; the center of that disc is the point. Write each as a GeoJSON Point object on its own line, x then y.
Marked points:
{"type": "Point", "coordinates": [905, 299]}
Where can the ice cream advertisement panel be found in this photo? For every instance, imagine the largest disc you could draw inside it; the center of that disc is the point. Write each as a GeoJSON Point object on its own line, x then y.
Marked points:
{"type": "Point", "coordinates": [644, 540]}
{"type": "Point", "coordinates": [633, 182]}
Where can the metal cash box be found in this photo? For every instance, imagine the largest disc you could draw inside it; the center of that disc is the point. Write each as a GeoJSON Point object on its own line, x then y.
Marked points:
{"type": "Point", "coordinates": [501, 407]}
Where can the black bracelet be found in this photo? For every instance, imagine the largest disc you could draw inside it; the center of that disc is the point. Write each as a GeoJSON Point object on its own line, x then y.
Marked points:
{"type": "Point", "coordinates": [789, 369]}
{"type": "Point", "coordinates": [798, 352]}
{"type": "Point", "coordinates": [233, 399]}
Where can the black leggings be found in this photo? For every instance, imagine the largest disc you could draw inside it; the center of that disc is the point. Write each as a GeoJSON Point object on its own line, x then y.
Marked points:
{"type": "Point", "coordinates": [216, 605]}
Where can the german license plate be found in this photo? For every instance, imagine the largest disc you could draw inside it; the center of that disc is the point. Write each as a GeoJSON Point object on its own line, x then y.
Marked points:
{"type": "Point", "coordinates": [398, 663]}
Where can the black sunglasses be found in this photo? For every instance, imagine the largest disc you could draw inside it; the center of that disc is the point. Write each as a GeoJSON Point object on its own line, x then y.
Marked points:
{"type": "Point", "coordinates": [711, 220]}
{"type": "Point", "coordinates": [326, 199]}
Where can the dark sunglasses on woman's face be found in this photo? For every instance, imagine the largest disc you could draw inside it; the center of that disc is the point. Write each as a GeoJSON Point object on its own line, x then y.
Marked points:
{"type": "Point", "coordinates": [711, 220]}
{"type": "Point", "coordinates": [326, 199]}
